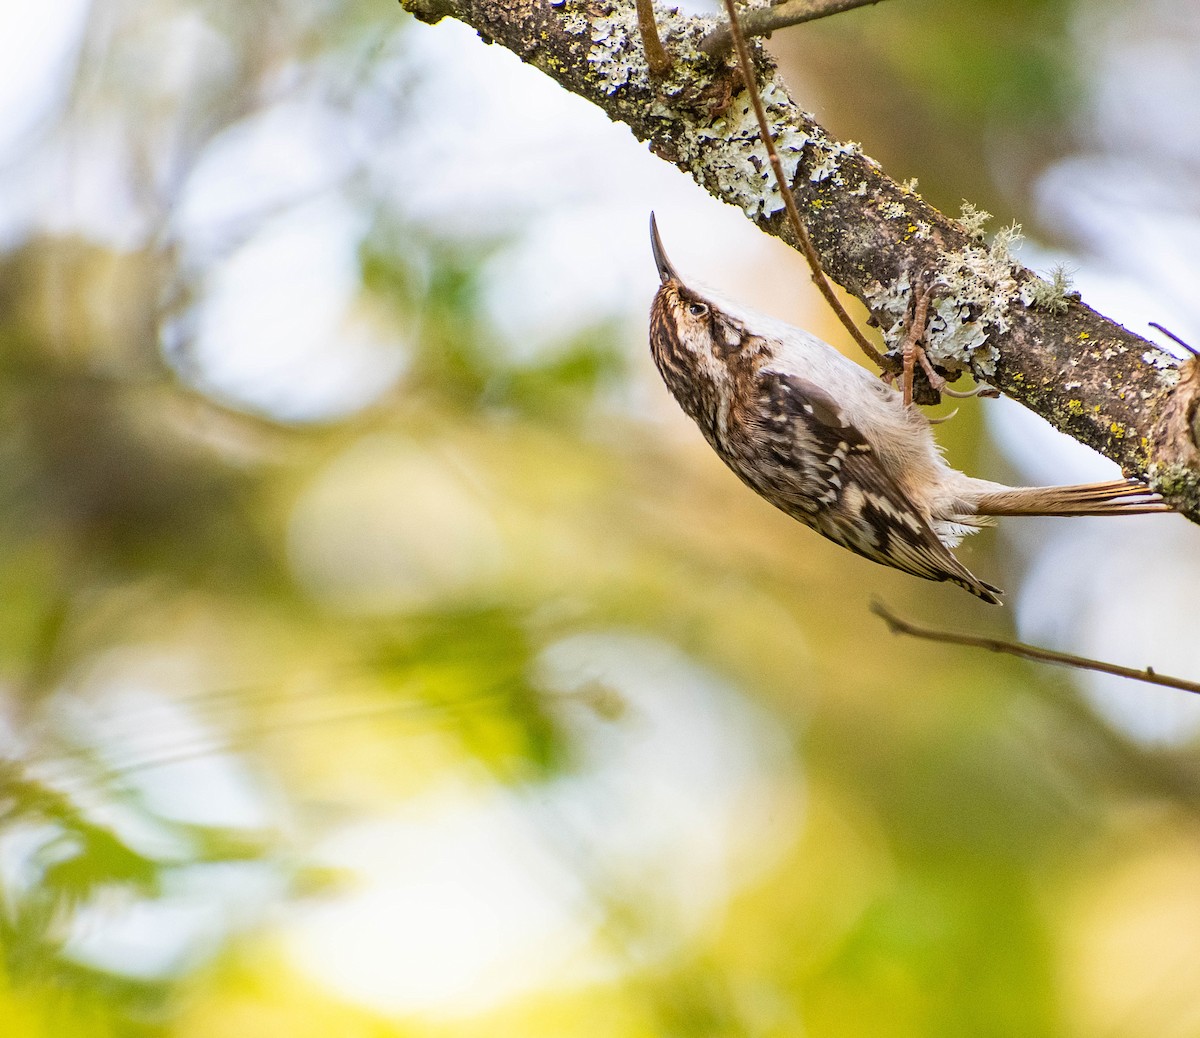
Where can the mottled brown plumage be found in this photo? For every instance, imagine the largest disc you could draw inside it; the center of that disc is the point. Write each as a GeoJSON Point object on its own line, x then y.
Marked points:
{"type": "Point", "coordinates": [834, 447]}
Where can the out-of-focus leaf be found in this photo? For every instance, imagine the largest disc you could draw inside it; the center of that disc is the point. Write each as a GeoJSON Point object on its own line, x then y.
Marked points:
{"type": "Point", "coordinates": [474, 668]}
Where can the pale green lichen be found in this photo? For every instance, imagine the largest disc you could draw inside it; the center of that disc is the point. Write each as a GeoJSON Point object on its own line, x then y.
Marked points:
{"type": "Point", "coordinates": [1164, 362]}
{"type": "Point", "coordinates": [973, 219]}
{"type": "Point", "coordinates": [1173, 480]}
{"type": "Point", "coordinates": [733, 154]}
{"type": "Point", "coordinates": [725, 154]}
{"type": "Point", "coordinates": [1053, 294]}
{"type": "Point", "coordinates": [826, 168]}
{"type": "Point", "coordinates": [975, 288]}
{"type": "Point", "coordinates": [573, 20]}
{"type": "Point", "coordinates": [1005, 240]}
{"type": "Point", "coordinates": [617, 54]}
{"type": "Point", "coordinates": [1063, 279]}
{"type": "Point", "coordinates": [829, 165]}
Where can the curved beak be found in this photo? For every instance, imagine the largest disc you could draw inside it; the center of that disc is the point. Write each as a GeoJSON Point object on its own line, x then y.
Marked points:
{"type": "Point", "coordinates": [665, 270]}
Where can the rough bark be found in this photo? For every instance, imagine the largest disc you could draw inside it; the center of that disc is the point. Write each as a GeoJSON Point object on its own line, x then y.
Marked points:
{"type": "Point", "coordinates": [1086, 375]}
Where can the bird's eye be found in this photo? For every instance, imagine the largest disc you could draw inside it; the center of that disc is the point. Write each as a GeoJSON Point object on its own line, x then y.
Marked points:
{"type": "Point", "coordinates": [698, 309]}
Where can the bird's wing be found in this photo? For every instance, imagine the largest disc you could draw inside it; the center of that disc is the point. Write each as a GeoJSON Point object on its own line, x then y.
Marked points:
{"type": "Point", "coordinates": [835, 483]}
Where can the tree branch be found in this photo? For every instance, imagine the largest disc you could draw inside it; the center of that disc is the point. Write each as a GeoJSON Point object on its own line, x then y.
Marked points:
{"type": "Point", "coordinates": [789, 200]}
{"type": "Point", "coordinates": [1086, 375]}
{"type": "Point", "coordinates": [1029, 652]}
{"type": "Point", "coordinates": [762, 21]}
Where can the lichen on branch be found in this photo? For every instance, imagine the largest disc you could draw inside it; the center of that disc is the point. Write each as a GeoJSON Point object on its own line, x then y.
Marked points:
{"type": "Point", "coordinates": [1088, 376]}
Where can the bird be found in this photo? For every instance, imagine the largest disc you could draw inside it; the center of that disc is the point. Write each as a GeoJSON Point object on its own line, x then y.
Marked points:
{"type": "Point", "coordinates": [834, 446]}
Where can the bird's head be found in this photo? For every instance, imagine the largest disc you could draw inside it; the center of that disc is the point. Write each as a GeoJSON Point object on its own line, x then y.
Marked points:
{"type": "Point", "coordinates": [700, 347]}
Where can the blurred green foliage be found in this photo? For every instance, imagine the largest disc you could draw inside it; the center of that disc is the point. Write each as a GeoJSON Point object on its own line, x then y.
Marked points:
{"type": "Point", "coordinates": [962, 817]}
{"type": "Point", "coordinates": [971, 99]}
{"type": "Point", "coordinates": [434, 286]}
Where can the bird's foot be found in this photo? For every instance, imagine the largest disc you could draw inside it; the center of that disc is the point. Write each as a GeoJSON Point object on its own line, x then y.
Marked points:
{"type": "Point", "coordinates": [912, 352]}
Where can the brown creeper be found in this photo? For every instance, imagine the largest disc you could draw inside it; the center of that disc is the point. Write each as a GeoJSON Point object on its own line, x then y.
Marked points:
{"type": "Point", "coordinates": [831, 445]}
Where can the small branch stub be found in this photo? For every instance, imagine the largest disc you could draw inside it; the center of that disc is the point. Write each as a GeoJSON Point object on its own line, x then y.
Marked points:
{"type": "Point", "coordinates": [762, 21]}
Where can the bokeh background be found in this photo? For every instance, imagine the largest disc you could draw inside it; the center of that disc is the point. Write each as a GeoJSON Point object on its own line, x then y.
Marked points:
{"type": "Point", "coordinates": [382, 653]}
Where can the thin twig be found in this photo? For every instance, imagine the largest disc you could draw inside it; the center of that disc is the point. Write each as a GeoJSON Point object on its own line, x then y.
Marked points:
{"type": "Point", "coordinates": [657, 58]}
{"type": "Point", "coordinates": [1171, 335]}
{"type": "Point", "coordinates": [760, 21]}
{"type": "Point", "coordinates": [785, 189]}
{"type": "Point", "coordinates": [1029, 652]}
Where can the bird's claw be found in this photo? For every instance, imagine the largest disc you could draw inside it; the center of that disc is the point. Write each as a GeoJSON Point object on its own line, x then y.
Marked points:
{"type": "Point", "coordinates": [912, 352]}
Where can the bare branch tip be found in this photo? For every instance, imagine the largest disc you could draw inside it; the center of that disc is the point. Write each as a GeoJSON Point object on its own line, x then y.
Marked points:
{"type": "Point", "coordinates": [894, 623]}
{"type": "Point", "coordinates": [1033, 653]}
{"type": "Point", "coordinates": [1175, 338]}
{"type": "Point", "coordinates": [428, 11]}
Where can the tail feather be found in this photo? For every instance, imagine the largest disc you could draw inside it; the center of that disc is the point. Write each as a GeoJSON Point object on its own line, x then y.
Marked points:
{"type": "Point", "coordinates": [979, 588]}
{"type": "Point", "coordinates": [1116, 497]}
